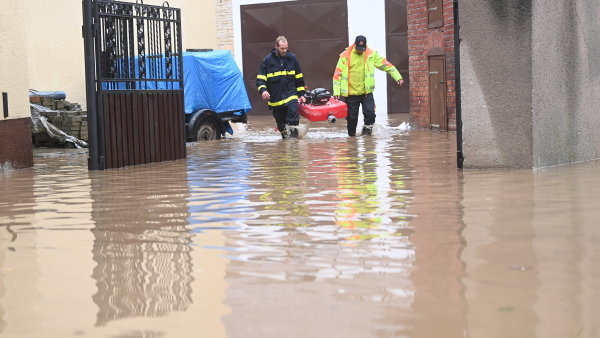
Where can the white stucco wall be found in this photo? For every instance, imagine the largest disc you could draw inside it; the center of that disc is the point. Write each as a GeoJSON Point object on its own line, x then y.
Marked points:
{"type": "Point", "coordinates": [368, 18]}
{"type": "Point", "coordinates": [364, 18]}
{"type": "Point", "coordinates": [13, 59]}
{"type": "Point", "coordinates": [55, 46]}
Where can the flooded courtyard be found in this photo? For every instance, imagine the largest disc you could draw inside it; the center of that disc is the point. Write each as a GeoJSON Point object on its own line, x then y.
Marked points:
{"type": "Point", "coordinates": [326, 236]}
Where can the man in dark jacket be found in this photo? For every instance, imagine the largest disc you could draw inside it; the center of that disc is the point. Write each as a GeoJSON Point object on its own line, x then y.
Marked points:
{"type": "Point", "coordinates": [280, 81]}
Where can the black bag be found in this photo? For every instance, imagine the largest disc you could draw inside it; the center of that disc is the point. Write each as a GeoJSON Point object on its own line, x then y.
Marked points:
{"type": "Point", "coordinates": [317, 96]}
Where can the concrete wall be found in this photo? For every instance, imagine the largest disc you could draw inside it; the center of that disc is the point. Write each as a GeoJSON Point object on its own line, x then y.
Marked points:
{"type": "Point", "coordinates": [566, 82]}
{"type": "Point", "coordinates": [15, 129]}
{"type": "Point", "coordinates": [55, 46]}
{"type": "Point", "coordinates": [530, 82]}
{"type": "Point", "coordinates": [496, 83]}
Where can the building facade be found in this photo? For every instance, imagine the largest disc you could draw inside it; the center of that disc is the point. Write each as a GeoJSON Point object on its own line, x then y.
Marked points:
{"type": "Point", "coordinates": [432, 64]}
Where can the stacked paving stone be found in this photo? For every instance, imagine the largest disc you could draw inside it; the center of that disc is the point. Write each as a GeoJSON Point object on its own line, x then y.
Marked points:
{"type": "Point", "coordinates": [66, 116]}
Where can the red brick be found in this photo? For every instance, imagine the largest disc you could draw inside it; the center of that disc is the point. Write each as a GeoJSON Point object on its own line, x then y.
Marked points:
{"type": "Point", "coordinates": [419, 43]}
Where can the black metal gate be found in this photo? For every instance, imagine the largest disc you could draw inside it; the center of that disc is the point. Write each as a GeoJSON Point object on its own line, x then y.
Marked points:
{"type": "Point", "coordinates": [134, 80]}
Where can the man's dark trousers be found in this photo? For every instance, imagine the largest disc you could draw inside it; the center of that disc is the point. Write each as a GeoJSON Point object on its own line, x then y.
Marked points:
{"type": "Point", "coordinates": [368, 109]}
{"type": "Point", "coordinates": [286, 114]}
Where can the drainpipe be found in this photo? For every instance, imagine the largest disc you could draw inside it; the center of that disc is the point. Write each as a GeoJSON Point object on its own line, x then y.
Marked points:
{"type": "Point", "coordinates": [459, 140]}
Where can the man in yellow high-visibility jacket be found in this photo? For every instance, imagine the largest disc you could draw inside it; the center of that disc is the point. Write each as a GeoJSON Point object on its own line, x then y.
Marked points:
{"type": "Point", "coordinates": [354, 81]}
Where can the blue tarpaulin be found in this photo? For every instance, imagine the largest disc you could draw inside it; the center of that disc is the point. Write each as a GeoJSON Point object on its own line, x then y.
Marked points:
{"type": "Point", "coordinates": [213, 80]}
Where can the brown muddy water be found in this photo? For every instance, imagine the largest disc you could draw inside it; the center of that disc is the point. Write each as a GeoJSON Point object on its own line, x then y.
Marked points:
{"type": "Point", "coordinates": [327, 236]}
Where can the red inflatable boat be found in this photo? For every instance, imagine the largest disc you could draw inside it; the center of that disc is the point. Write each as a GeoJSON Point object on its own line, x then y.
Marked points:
{"type": "Point", "coordinates": [330, 111]}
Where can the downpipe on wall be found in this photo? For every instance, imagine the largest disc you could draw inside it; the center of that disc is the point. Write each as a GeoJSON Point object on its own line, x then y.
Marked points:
{"type": "Point", "coordinates": [459, 140]}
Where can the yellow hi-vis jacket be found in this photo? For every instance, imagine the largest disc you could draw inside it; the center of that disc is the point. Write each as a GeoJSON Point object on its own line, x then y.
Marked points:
{"type": "Point", "coordinates": [372, 60]}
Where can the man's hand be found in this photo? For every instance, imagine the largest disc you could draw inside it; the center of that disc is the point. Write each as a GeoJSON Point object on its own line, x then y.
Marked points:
{"type": "Point", "coordinates": [302, 99]}
{"type": "Point", "coordinates": [266, 95]}
{"type": "Point", "coordinates": [400, 82]}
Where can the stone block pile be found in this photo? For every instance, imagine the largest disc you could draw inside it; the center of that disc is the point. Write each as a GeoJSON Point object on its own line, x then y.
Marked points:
{"type": "Point", "coordinates": [64, 115]}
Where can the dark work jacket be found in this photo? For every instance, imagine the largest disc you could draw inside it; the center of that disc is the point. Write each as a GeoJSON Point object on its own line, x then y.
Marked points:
{"type": "Point", "coordinates": [282, 77]}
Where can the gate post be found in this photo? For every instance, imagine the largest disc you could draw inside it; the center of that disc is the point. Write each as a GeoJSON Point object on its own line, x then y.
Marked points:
{"type": "Point", "coordinates": [95, 161]}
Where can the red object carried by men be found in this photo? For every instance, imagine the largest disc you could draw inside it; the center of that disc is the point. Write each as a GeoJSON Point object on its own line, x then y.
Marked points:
{"type": "Point", "coordinates": [330, 111]}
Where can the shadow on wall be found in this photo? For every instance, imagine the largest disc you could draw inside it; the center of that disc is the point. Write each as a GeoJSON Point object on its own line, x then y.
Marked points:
{"type": "Point", "coordinates": [501, 31]}
{"type": "Point", "coordinates": [571, 59]}
{"type": "Point", "coordinates": [508, 8]}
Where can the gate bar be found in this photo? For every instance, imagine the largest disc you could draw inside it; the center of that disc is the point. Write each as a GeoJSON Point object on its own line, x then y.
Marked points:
{"type": "Point", "coordinates": [95, 162]}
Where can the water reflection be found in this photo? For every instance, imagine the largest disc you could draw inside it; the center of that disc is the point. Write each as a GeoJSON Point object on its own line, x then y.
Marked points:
{"type": "Point", "coordinates": [141, 242]}
{"type": "Point", "coordinates": [501, 284]}
{"type": "Point", "coordinates": [16, 210]}
{"type": "Point", "coordinates": [565, 228]}
{"type": "Point", "coordinates": [330, 236]}
{"type": "Point", "coordinates": [217, 176]}
{"type": "Point", "coordinates": [278, 188]}
{"type": "Point", "coordinates": [439, 294]}
{"type": "Point", "coordinates": [47, 211]}
{"type": "Point", "coordinates": [328, 221]}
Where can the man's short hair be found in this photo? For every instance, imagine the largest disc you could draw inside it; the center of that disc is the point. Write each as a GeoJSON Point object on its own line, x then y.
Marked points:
{"type": "Point", "coordinates": [279, 39]}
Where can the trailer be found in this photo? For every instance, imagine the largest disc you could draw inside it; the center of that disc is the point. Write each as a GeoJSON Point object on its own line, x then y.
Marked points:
{"type": "Point", "coordinates": [214, 95]}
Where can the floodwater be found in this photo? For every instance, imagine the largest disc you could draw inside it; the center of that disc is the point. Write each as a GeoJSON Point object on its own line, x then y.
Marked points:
{"type": "Point", "coordinates": [327, 236]}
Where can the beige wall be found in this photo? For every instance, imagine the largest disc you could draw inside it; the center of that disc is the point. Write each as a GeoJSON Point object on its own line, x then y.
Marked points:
{"type": "Point", "coordinates": [199, 22]}
{"type": "Point", "coordinates": [55, 46]}
{"type": "Point", "coordinates": [13, 60]}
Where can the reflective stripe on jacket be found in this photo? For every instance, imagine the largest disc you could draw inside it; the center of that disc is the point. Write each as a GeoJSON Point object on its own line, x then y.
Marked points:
{"type": "Point", "coordinates": [282, 77]}
{"type": "Point", "coordinates": [372, 60]}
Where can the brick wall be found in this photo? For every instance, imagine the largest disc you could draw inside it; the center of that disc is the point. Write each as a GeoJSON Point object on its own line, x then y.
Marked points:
{"type": "Point", "coordinates": [224, 25]}
{"type": "Point", "coordinates": [422, 42]}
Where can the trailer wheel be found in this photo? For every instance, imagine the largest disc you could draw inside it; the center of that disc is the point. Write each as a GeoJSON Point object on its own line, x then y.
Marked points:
{"type": "Point", "coordinates": [207, 130]}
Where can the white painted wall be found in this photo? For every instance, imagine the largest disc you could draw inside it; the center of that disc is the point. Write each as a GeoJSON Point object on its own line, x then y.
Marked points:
{"type": "Point", "coordinates": [364, 18]}
{"type": "Point", "coordinates": [368, 18]}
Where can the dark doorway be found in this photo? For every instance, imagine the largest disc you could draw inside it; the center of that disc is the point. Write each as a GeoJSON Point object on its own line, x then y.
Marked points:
{"type": "Point", "coordinates": [437, 93]}
{"type": "Point", "coordinates": [317, 32]}
{"type": "Point", "coordinates": [396, 24]}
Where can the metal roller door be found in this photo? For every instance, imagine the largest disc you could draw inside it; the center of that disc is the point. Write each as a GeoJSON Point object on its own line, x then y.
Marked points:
{"type": "Point", "coordinates": [316, 31]}
{"type": "Point", "coordinates": [397, 54]}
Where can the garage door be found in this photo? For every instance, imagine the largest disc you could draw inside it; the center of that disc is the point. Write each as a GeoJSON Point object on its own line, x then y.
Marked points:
{"type": "Point", "coordinates": [316, 31]}
{"type": "Point", "coordinates": [397, 54]}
